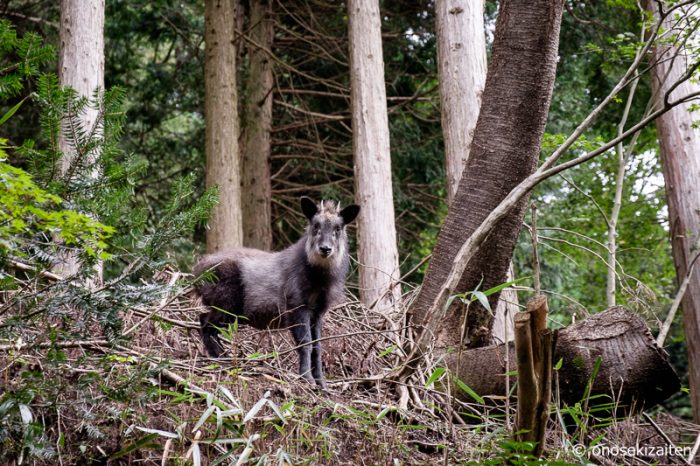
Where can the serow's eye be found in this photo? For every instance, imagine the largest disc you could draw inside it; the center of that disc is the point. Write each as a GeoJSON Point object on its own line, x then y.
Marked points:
{"type": "Point", "coordinates": [337, 229]}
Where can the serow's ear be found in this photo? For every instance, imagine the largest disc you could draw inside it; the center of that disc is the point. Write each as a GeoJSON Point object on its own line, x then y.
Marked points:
{"type": "Point", "coordinates": [308, 207]}
{"type": "Point", "coordinates": [350, 213]}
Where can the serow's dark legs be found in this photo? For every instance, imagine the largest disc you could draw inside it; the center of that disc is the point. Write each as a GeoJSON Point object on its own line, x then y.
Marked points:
{"type": "Point", "coordinates": [210, 333]}
{"type": "Point", "coordinates": [309, 355]}
{"type": "Point", "coordinates": [316, 365]}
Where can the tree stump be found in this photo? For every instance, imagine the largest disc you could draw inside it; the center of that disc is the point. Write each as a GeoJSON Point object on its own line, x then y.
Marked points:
{"type": "Point", "coordinates": [533, 350]}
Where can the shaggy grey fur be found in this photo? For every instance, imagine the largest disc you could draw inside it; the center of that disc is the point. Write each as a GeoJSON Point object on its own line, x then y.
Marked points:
{"type": "Point", "coordinates": [291, 288]}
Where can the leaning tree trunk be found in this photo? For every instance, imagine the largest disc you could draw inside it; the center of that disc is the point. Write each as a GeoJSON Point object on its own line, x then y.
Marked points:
{"type": "Point", "coordinates": [376, 232]}
{"type": "Point", "coordinates": [461, 44]}
{"type": "Point", "coordinates": [256, 194]}
{"type": "Point", "coordinates": [634, 372]}
{"type": "Point", "coordinates": [81, 65]}
{"type": "Point", "coordinates": [680, 159]}
{"type": "Point", "coordinates": [221, 134]}
{"type": "Point", "coordinates": [504, 151]}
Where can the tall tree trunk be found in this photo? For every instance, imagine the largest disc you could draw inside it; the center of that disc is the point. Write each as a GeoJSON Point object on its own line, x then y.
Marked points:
{"type": "Point", "coordinates": [680, 159]}
{"type": "Point", "coordinates": [461, 48]}
{"type": "Point", "coordinates": [504, 151]}
{"type": "Point", "coordinates": [376, 231]}
{"type": "Point", "coordinates": [221, 116]}
{"type": "Point", "coordinates": [81, 65]}
{"type": "Point", "coordinates": [256, 192]}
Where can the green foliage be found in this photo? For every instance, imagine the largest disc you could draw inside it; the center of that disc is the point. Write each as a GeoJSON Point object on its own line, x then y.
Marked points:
{"type": "Point", "coordinates": [572, 222]}
{"type": "Point", "coordinates": [19, 431]}
{"type": "Point", "coordinates": [20, 58]}
{"type": "Point", "coordinates": [520, 454]}
{"type": "Point", "coordinates": [47, 212]}
{"type": "Point", "coordinates": [99, 178]}
{"type": "Point", "coordinates": [29, 212]}
{"type": "Point", "coordinates": [597, 44]}
{"type": "Point", "coordinates": [155, 51]}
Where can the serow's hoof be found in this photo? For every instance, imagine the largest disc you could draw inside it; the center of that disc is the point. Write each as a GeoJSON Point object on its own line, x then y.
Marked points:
{"type": "Point", "coordinates": [321, 383]}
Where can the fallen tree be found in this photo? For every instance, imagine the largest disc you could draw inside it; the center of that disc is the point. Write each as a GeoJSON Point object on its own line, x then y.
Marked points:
{"type": "Point", "coordinates": [634, 371]}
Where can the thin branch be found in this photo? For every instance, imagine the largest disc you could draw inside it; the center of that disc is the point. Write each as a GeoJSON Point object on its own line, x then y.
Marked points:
{"type": "Point", "coordinates": [624, 81]}
{"type": "Point", "coordinates": [535, 252]}
{"type": "Point", "coordinates": [622, 159]}
{"type": "Point", "coordinates": [665, 437]}
{"type": "Point", "coordinates": [32, 19]}
{"type": "Point", "coordinates": [54, 344]}
{"type": "Point", "coordinates": [666, 327]}
{"type": "Point", "coordinates": [30, 268]}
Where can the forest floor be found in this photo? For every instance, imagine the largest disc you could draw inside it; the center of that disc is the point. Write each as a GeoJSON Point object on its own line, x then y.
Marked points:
{"type": "Point", "coordinates": [155, 399]}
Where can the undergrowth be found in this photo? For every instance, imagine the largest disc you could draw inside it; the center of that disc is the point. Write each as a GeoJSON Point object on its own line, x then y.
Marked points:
{"type": "Point", "coordinates": [153, 399]}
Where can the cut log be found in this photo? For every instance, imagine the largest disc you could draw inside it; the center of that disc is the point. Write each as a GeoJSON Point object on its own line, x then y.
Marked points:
{"type": "Point", "coordinates": [634, 371]}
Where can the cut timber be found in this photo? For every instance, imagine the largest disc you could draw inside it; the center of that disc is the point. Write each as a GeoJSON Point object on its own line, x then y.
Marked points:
{"type": "Point", "coordinates": [634, 371]}
{"type": "Point", "coordinates": [528, 389]}
{"type": "Point", "coordinates": [533, 349]}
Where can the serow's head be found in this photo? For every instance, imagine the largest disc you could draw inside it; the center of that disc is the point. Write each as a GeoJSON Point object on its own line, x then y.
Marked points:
{"type": "Point", "coordinates": [326, 243]}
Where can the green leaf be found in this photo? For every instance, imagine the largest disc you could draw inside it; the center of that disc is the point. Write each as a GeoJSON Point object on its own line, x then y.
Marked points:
{"type": "Point", "coordinates": [591, 379]}
{"type": "Point", "coordinates": [482, 299]}
{"type": "Point", "coordinates": [162, 433]}
{"type": "Point", "coordinates": [144, 442]}
{"type": "Point", "coordinates": [502, 286]}
{"type": "Point", "coordinates": [208, 412]}
{"type": "Point", "coordinates": [452, 298]}
{"type": "Point", "coordinates": [387, 351]}
{"type": "Point", "coordinates": [382, 414]}
{"type": "Point", "coordinates": [11, 111]}
{"type": "Point", "coordinates": [469, 391]}
{"type": "Point", "coordinates": [437, 373]}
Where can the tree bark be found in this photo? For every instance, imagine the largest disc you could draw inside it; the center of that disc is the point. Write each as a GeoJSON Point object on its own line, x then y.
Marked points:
{"type": "Point", "coordinates": [256, 194]}
{"type": "Point", "coordinates": [634, 371]}
{"type": "Point", "coordinates": [376, 230]}
{"type": "Point", "coordinates": [81, 66]}
{"type": "Point", "coordinates": [221, 134]}
{"type": "Point", "coordinates": [461, 46]}
{"type": "Point", "coordinates": [680, 159]}
{"type": "Point", "coordinates": [504, 152]}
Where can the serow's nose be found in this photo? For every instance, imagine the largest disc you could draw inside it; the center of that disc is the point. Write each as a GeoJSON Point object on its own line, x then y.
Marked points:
{"type": "Point", "coordinates": [325, 250]}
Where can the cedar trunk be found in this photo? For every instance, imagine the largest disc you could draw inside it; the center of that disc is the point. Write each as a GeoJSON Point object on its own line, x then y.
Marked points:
{"type": "Point", "coordinates": [634, 371]}
{"type": "Point", "coordinates": [376, 232]}
{"type": "Point", "coordinates": [502, 329]}
{"type": "Point", "coordinates": [256, 192]}
{"type": "Point", "coordinates": [221, 134]}
{"type": "Point", "coordinates": [680, 159]}
{"type": "Point", "coordinates": [461, 46]}
{"type": "Point", "coordinates": [81, 65]}
{"type": "Point", "coordinates": [504, 151]}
